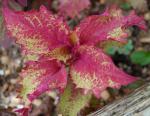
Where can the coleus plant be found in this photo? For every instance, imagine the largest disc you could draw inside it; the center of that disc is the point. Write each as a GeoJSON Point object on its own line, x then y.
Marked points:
{"type": "Point", "coordinates": [56, 56]}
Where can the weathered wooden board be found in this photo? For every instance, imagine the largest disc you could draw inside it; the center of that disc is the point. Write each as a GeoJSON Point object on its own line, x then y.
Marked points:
{"type": "Point", "coordinates": [135, 104]}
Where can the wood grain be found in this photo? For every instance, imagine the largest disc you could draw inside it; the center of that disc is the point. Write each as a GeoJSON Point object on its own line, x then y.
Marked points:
{"type": "Point", "coordinates": [131, 105]}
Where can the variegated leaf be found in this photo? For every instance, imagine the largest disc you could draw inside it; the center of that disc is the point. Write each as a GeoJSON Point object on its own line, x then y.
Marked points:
{"type": "Point", "coordinates": [39, 77]}
{"type": "Point", "coordinates": [38, 33]}
{"type": "Point", "coordinates": [110, 25]}
{"type": "Point", "coordinates": [94, 71]}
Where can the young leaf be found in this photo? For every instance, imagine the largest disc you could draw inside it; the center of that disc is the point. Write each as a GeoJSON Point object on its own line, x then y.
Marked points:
{"type": "Point", "coordinates": [110, 25]}
{"type": "Point", "coordinates": [36, 34]}
{"type": "Point", "coordinates": [72, 101]}
{"type": "Point", "coordinates": [72, 8]}
{"type": "Point", "coordinates": [94, 71]}
{"type": "Point", "coordinates": [141, 57]}
{"type": "Point", "coordinates": [39, 77]}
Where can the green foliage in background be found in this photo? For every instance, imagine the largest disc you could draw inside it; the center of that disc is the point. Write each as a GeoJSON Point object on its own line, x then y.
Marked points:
{"type": "Point", "coordinates": [125, 50]}
{"type": "Point", "coordinates": [141, 57]}
{"type": "Point", "coordinates": [126, 6]}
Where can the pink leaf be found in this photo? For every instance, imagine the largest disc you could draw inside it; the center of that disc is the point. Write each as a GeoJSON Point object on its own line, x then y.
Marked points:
{"type": "Point", "coordinates": [38, 33]}
{"type": "Point", "coordinates": [39, 77]}
{"type": "Point", "coordinates": [110, 25]}
{"type": "Point", "coordinates": [94, 71]}
{"type": "Point", "coordinates": [72, 8]}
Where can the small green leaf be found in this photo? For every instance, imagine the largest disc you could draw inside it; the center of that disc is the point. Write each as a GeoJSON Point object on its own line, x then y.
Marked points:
{"type": "Point", "coordinates": [126, 49]}
{"type": "Point", "coordinates": [126, 6]}
{"type": "Point", "coordinates": [72, 101]}
{"type": "Point", "coordinates": [113, 48]}
{"type": "Point", "coordinates": [141, 57]}
{"type": "Point", "coordinates": [110, 46]}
